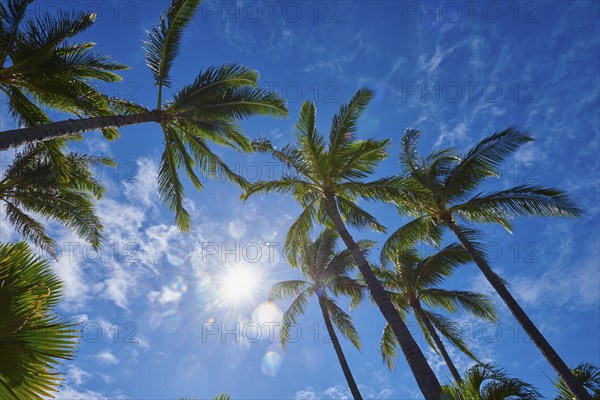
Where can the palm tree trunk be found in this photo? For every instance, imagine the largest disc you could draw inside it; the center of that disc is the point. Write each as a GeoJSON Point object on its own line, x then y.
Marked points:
{"type": "Point", "coordinates": [540, 341]}
{"type": "Point", "coordinates": [340, 354]}
{"type": "Point", "coordinates": [426, 379]}
{"type": "Point", "coordinates": [438, 343]}
{"type": "Point", "coordinates": [17, 137]}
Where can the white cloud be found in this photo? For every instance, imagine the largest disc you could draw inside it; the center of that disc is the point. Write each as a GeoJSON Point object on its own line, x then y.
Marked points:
{"type": "Point", "coordinates": [77, 375]}
{"type": "Point", "coordinates": [106, 358]}
{"type": "Point", "coordinates": [140, 181]}
{"type": "Point", "coordinates": [70, 393]}
{"type": "Point", "coordinates": [342, 392]}
{"type": "Point", "coordinates": [165, 296]}
{"type": "Point", "coordinates": [458, 134]}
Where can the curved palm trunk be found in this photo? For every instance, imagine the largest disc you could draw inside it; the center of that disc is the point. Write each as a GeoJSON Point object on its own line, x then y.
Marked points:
{"type": "Point", "coordinates": [438, 343]}
{"type": "Point", "coordinates": [426, 379]}
{"type": "Point", "coordinates": [17, 137]}
{"type": "Point", "coordinates": [540, 341]}
{"type": "Point", "coordinates": [340, 354]}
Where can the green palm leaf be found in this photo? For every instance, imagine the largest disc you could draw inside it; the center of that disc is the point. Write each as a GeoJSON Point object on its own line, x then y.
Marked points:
{"type": "Point", "coordinates": [524, 200]}
{"type": "Point", "coordinates": [31, 185]}
{"type": "Point", "coordinates": [486, 382]}
{"type": "Point", "coordinates": [28, 296]}
{"type": "Point", "coordinates": [164, 39]}
{"type": "Point", "coordinates": [483, 160]}
{"type": "Point", "coordinates": [342, 321]}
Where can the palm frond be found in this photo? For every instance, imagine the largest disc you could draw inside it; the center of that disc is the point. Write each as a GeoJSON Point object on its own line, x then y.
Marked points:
{"type": "Point", "coordinates": [452, 332]}
{"type": "Point", "coordinates": [482, 161]}
{"type": "Point", "coordinates": [211, 81]}
{"type": "Point", "coordinates": [409, 157]}
{"type": "Point", "coordinates": [282, 290]}
{"type": "Point", "coordinates": [344, 123]}
{"type": "Point", "coordinates": [384, 189]}
{"type": "Point", "coordinates": [586, 373]}
{"type": "Point", "coordinates": [476, 304]}
{"type": "Point", "coordinates": [341, 320]}
{"type": "Point", "coordinates": [11, 16]}
{"type": "Point", "coordinates": [523, 200]}
{"type": "Point", "coordinates": [237, 103]}
{"type": "Point", "coordinates": [291, 315]}
{"type": "Point", "coordinates": [388, 346]}
{"type": "Point", "coordinates": [170, 186]}
{"type": "Point", "coordinates": [419, 229]}
{"type": "Point", "coordinates": [164, 39]}
{"type": "Point", "coordinates": [357, 217]}
{"type": "Point", "coordinates": [33, 339]}
{"type": "Point", "coordinates": [299, 232]}
{"type": "Point", "coordinates": [210, 164]}
{"type": "Point", "coordinates": [434, 269]}
{"type": "Point", "coordinates": [29, 228]}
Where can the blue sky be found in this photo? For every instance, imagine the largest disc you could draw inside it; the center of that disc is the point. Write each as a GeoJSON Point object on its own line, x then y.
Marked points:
{"type": "Point", "coordinates": [154, 322]}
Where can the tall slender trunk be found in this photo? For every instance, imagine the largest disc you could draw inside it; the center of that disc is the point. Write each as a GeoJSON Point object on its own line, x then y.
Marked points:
{"type": "Point", "coordinates": [426, 379]}
{"type": "Point", "coordinates": [340, 354]}
{"type": "Point", "coordinates": [17, 137]}
{"type": "Point", "coordinates": [540, 341]}
{"type": "Point", "coordinates": [438, 343]}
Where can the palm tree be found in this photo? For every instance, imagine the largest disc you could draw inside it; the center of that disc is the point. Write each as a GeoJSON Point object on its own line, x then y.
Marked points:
{"type": "Point", "coordinates": [33, 339]}
{"type": "Point", "coordinates": [589, 376]}
{"type": "Point", "coordinates": [441, 187]}
{"type": "Point", "coordinates": [327, 273]}
{"type": "Point", "coordinates": [40, 68]}
{"type": "Point", "coordinates": [207, 110]}
{"type": "Point", "coordinates": [415, 281]}
{"type": "Point", "coordinates": [329, 178]}
{"type": "Point", "coordinates": [31, 184]}
{"type": "Point", "coordinates": [485, 382]}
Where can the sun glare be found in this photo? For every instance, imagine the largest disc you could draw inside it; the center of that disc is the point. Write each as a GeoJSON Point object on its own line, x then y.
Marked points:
{"type": "Point", "coordinates": [239, 284]}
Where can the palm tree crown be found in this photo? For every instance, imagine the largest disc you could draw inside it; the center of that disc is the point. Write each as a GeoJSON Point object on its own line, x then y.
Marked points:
{"type": "Point", "coordinates": [40, 67]}
{"type": "Point", "coordinates": [415, 282]}
{"type": "Point", "coordinates": [204, 111]}
{"type": "Point", "coordinates": [320, 167]}
{"type": "Point", "coordinates": [31, 185]}
{"type": "Point", "coordinates": [441, 186]}
{"type": "Point", "coordinates": [486, 382]}
{"type": "Point", "coordinates": [589, 376]}
{"type": "Point", "coordinates": [327, 274]}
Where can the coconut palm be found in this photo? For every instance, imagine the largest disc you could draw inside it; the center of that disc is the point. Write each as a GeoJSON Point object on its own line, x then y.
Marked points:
{"type": "Point", "coordinates": [207, 110]}
{"type": "Point", "coordinates": [33, 339]}
{"type": "Point", "coordinates": [442, 187]}
{"type": "Point", "coordinates": [589, 376]}
{"type": "Point", "coordinates": [31, 185]}
{"type": "Point", "coordinates": [41, 69]}
{"type": "Point", "coordinates": [329, 176]}
{"type": "Point", "coordinates": [327, 274]}
{"type": "Point", "coordinates": [415, 281]}
{"type": "Point", "coordinates": [486, 382]}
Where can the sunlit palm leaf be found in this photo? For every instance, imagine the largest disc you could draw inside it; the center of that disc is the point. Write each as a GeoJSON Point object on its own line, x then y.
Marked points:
{"type": "Point", "coordinates": [28, 296]}
{"type": "Point", "coordinates": [164, 39]}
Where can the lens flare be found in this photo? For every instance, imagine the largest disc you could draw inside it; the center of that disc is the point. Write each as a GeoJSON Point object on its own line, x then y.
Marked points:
{"type": "Point", "coordinates": [271, 363]}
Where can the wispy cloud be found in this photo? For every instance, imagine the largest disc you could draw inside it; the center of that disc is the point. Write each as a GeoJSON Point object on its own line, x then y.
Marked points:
{"type": "Point", "coordinates": [106, 358]}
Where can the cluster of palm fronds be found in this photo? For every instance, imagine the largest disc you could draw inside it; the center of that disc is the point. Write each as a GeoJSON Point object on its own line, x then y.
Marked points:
{"type": "Point", "coordinates": [43, 69]}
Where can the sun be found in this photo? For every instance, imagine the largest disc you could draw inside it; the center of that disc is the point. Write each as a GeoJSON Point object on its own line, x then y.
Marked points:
{"type": "Point", "coordinates": [239, 284]}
